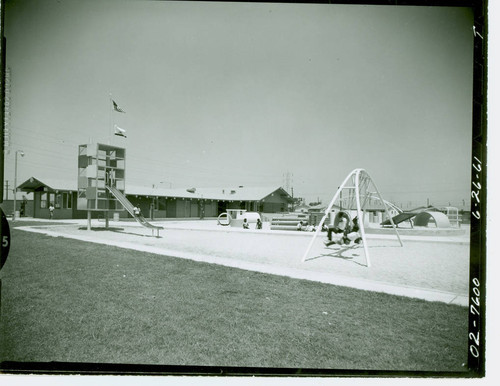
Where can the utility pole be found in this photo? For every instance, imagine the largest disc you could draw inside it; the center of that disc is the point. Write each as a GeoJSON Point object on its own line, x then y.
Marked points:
{"type": "Point", "coordinates": [7, 189]}
{"type": "Point", "coordinates": [15, 182]}
{"type": "Point", "coordinates": [287, 181]}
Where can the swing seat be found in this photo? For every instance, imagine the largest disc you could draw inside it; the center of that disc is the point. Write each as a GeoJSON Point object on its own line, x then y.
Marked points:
{"type": "Point", "coordinates": [336, 243]}
{"type": "Point", "coordinates": [342, 247]}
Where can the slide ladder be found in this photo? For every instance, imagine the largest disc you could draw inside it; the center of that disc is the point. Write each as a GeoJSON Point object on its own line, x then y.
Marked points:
{"type": "Point", "coordinates": [130, 208]}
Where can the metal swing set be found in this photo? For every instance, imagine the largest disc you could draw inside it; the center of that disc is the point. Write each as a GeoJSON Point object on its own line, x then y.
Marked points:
{"type": "Point", "coordinates": [356, 186]}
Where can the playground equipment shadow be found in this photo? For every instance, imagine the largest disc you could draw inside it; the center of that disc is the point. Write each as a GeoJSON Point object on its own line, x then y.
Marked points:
{"type": "Point", "coordinates": [432, 268]}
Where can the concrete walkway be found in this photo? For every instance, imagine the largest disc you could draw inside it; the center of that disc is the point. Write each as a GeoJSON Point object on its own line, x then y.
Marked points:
{"type": "Point", "coordinates": [432, 268]}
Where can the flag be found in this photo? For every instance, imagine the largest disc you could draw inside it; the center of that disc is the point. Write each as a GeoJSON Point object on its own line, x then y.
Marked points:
{"type": "Point", "coordinates": [120, 132]}
{"type": "Point", "coordinates": [116, 108]}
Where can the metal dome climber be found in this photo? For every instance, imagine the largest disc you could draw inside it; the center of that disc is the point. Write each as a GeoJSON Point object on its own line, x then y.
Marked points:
{"type": "Point", "coordinates": [356, 185]}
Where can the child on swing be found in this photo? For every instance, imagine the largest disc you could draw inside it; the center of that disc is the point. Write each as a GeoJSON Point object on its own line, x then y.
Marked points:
{"type": "Point", "coordinates": [337, 230]}
{"type": "Point", "coordinates": [352, 234]}
{"type": "Point", "coordinates": [348, 233]}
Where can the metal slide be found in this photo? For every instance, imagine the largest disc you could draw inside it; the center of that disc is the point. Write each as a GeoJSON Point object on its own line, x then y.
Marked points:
{"type": "Point", "coordinates": [399, 218]}
{"type": "Point", "coordinates": [130, 208]}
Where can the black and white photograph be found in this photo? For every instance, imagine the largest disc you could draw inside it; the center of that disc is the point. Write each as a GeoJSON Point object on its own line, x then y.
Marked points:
{"type": "Point", "coordinates": [243, 188]}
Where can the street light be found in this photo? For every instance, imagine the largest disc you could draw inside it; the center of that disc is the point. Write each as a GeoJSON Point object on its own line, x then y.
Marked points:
{"type": "Point", "coordinates": [15, 182]}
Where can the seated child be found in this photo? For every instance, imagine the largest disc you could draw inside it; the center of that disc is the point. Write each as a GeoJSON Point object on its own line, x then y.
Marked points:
{"type": "Point", "coordinates": [338, 231]}
{"type": "Point", "coordinates": [353, 233]}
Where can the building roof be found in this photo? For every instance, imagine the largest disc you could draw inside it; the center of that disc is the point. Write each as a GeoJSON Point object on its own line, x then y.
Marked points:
{"type": "Point", "coordinates": [225, 194]}
{"type": "Point", "coordinates": [52, 184]}
{"type": "Point", "coordinates": [239, 193]}
{"type": "Point", "coordinates": [318, 207]}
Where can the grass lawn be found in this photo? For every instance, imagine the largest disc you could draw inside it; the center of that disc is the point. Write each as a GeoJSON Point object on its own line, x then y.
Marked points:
{"type": "Point", "coordinates": [72, 301]}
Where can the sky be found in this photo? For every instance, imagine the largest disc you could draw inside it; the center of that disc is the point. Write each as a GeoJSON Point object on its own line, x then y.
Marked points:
{"type": "Point", "coordinates": [229, 94]}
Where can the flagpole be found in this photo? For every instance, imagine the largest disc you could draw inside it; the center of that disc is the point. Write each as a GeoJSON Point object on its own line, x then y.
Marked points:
{"type": "Point", "coordinates": [110, 118]}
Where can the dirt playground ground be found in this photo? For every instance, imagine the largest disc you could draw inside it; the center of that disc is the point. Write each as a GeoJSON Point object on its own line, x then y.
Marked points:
{"type": "Point", "coordinates": [433, 268]}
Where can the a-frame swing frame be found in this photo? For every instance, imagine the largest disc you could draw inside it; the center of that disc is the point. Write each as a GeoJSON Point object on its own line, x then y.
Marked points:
{"type": "Point", "coordinates": [356, 179]}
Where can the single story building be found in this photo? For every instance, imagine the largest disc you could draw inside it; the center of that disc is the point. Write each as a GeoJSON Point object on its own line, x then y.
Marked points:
{"type": "Point", "coordinates": [373, 208]}
{"type": "Point", "coordinates": [158, 203]}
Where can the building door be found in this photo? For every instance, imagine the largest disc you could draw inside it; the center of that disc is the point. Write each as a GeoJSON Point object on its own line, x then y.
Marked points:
{"type": "Point", "coordinates": [194, 209]}
{"type": "Point", "coordinates": [221, 207]}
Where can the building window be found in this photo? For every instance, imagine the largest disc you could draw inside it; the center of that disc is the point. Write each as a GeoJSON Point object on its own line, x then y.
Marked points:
{"type": "Point", "coordinates": [58, 201]}
{"type": "Point", "coordinates": [50, 198]}
{"type": "Point", "coordinates": [43, 200]}
{"type": "Point", "coordinates": [67, 200]}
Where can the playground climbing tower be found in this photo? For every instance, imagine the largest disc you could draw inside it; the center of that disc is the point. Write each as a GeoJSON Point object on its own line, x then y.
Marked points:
{"type": "Point", "coordinates": [100, 166]}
